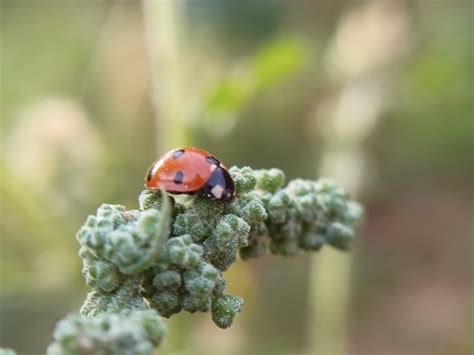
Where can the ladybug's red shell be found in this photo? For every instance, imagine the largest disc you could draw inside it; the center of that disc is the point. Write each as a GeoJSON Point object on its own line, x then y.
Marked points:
{"type": "Point", "coordinates": [190, 170]}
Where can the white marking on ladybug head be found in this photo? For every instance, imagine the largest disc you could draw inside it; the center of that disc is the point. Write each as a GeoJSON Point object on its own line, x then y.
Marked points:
{"type": "Point", "coordinates": [217, 191]}
{"type": "Point", "coordinates": [212, 167]}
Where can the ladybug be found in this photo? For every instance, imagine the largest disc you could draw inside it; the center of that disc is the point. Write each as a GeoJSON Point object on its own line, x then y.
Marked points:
{"type": "Point", "coordinates": [191, 170]}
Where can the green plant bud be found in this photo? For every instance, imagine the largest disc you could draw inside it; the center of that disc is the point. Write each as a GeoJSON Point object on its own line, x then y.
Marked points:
{"type": "Point", "coordinates": [257, 247]}
{"type": "Point", "coordinates": [182, 252]}
{"type": "Point", "coordinates": [191, 224]}
{"type": "Point", "coordinates": [199, 219]}
{"type": "Point", "coordinates": [291, 230]}
{"type": "Point", "coordinates": [220, 288]}
{"type": "Point", "coordinates": [239, 227]}
{"type": "Point", "coordinates": [199, 283]}
{"type": "Point", "coordinates": [167, 280]}
{"type": "Point", "coordinates": [4, 351]}
{"type": "Point", "coordinates": [201, 279]}
{"type": "Point", "coordinates": [270, 180]}
{"type": "Point", "coordinates": [162, 262]}
{"type": "Point", "coordinates": [265, 197]}
{"type": "Point", "coordinates": [307, 208]}
{"type": "Point", "coordinates": [102, 275]}
{"type": "Point", "coordinates": [104, 224]}
{"type": "Point", "coordinates": [86, 238]}
{"type": "Point", "coordinates": [117, 301]}
{"type": "Point", "coordinates": [339, 235]}
{"type": "Point", "coordinates": [224, 310]}
{"type": "Point", "coordinates": [136, 333]}
{"type": "Point", "coordinates": [311, 240]}
{"type": "Point", "coordinates": [236, 205]}
{"type": "Point", "coordinates": [254, 212]}
{"type": "Point", "coordinates": [134, 246]}
{"type": "Point", "coordinates": [354, 213]}
{"type": "Point", "coordinates": [125, 298]}
{"type": "Point", "coordinates": [166, 302]}
{"type": "Point", "coordinates": [279, 207]}
{"type": "Point", "coordinates": [244, 178]}
{"type": "Point", "coordinates": [131, 215]}
{"type": "Point", "coordinates": [121, 247]}
{"type": "Point", "coordinates": [301, 187]}
{"type": "Point", "coordinates": [150, 199]}
{"type": "Point", "coordinates": [338, 207]}
{"type": "Point", "coordinates": [325, 185]}
{"type": "Point", "coordinates": [149, 223]}
{"type": "Point", "coordinates": [154, 328]}
{"type": "Point", "coordinates": [114, 235]}
{"type": "Point", "coordinates": [284, 246]}
{"type": "Point", "coordinates": [259, 229]}
{"type": "Point", "coordinates": [230, 234]}
{"type": "Point", "coordinates": [207, 207]}
{"type": "Point", "coordinates": [93, 239]}
{"type": "Point", "coordinates": [112, 213]}
{"type": "Point", "coordinates": [91, 221]}
{"type": "Point", "coordinates": [105, 210]}
{"type": "Point", "coordinates": [196, 302]}
{"type": "Point", "coordinates": [332, 198]}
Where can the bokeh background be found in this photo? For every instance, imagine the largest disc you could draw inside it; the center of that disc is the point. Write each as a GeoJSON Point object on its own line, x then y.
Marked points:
{"type": "Point", "coordinates": [375, 94]}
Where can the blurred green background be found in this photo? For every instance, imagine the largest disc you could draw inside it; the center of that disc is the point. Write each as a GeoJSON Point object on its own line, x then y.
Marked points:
{"type": "Point", "coordinates": [375, 94]}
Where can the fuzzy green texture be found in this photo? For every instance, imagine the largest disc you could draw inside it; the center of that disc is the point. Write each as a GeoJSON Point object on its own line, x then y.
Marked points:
{"type": "Point", "coordinates": [169, 255]}
{"type": "Point", "coordinates": [134, 333]}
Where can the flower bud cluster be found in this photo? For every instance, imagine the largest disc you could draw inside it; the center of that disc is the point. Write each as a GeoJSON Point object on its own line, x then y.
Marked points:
{"type": "Point", "coordinates": [169, 255]}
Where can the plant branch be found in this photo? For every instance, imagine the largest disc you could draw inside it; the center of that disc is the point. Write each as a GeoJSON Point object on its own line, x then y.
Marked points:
{"type": "Point", "coordinates": [169, 255]}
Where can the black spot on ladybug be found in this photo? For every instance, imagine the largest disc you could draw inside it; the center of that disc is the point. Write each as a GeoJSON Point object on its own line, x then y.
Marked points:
{"type": "Point", "coordinates": [178, 178]}
{"type": "Point", "coordinates": [177, 154]}
{"type": "Point", "coordinates": [212, 160]}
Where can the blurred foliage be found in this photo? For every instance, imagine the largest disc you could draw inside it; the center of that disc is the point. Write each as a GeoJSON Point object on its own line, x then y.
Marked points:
{"type": "Point", "coordinates": [237, 24]}
{"type": "Point", "coordinates": [31, 47]}
{"type": "Point", "coordinates": [432, 115]}
{"type": "Point", "coordinates": [271, 65]}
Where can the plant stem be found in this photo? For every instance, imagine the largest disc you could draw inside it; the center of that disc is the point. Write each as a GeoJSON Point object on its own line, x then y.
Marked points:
{"type": "Point", "coordinates": [162, 20]}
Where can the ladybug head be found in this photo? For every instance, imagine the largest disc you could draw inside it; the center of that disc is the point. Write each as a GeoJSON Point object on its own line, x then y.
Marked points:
{"type": "Point", "coordinates": [220, 185]}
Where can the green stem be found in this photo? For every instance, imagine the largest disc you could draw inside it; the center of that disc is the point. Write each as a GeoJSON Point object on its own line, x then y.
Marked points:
{"type": "Point", "coordinates": [162, 19]}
